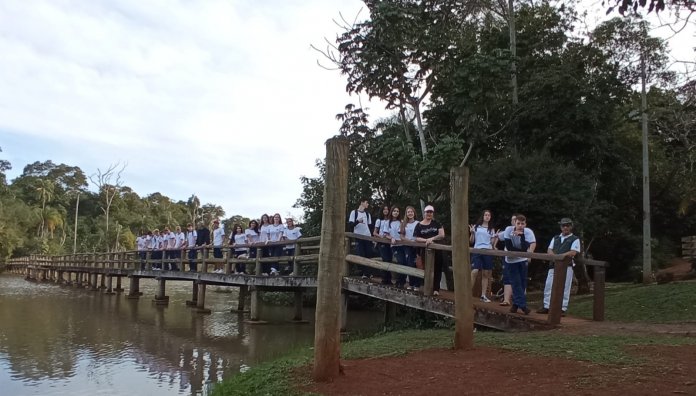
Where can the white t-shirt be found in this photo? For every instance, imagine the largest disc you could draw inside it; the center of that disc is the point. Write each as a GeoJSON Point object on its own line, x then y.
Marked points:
{"type": "Point", "coordinates": [275, 232]}
{"type": "Point", "coordinates": [155, 242]}
{"type": "Point", "coordinates": [252, 236]}
{"type": "Point", "coordinates": [363, 227]}
{"type": "Point", "coordinates": [395, 229]}
{"type": "Point", "coordinates": [240, 239]}
{"type": "Point", "coordinates": [408, 230]}
{"type": "Point", "coordinates": [263, 232]}
{"type": "Point", "coordinates": [384, 228]}
{"type": "Point", "coordinates": [191, 237]}
{"type": "Point", "coordinates": [483, 238]}
{"type": "Point", "coordinates": [218, 236]}
{"type": "Point", "coordinates": [180, 239]}
{"type": "Point", "coordinates": [575, 246]}
{"type": "Point", "coordinates": [516, 241]}
{"type": "Point", "coordinates": [292, 235]}
{"type": "Point", "coordinates": [142, 241]}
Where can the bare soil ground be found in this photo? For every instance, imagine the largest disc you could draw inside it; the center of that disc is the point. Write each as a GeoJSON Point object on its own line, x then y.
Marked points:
{"type": "Point", "coordinates": [490, 371]}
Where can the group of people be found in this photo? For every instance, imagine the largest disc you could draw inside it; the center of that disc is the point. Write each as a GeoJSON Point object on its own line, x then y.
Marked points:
{"type": "Point", "coordinates": [169, 245]}
{"type": "Point", "coordinates": [393, 226]}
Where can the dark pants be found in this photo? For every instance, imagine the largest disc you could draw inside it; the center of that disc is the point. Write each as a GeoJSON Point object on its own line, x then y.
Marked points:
{"type": "Point", "coordinates": [143, 256]}
{"type": "Point", "coordinates": [192, 255]}
{"type": "Point", "coordinates": [518, 280]}
{"type": "Point", "coordinates": [290, 252]}
{"type": "Point", "coordinates": [410, 258]}
{"type": "Point", "coordinates": [399, 252]}
{"type": "Point", "coordinates": [156, 256]}
{"type": "Point", "coordinates": [385, 251]}
{"type": "Point", "coordinates": [174, 255]}
{"type": "Point", "coordinates": [239, 267]}
{"type": "Point", "coordinates": [217, 252]}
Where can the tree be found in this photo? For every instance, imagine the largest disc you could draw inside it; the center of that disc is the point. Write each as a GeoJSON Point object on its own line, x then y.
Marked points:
{"type": "Point", "coordinates": [108, 183]}
{"type": "Point", "coordinates": [4, 167]}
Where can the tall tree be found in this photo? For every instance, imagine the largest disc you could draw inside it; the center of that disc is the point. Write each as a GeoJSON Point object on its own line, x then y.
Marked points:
{"type": "Point", "coordinates": [108, 184]}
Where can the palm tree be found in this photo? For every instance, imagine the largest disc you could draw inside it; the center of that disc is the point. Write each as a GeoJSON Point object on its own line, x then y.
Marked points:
{"type": "Point", "coordinates": [45, 189]}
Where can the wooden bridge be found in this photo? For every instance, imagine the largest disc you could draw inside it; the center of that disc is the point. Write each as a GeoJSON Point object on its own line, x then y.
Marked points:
{"type": "Point", "coordinates": [106, 272]}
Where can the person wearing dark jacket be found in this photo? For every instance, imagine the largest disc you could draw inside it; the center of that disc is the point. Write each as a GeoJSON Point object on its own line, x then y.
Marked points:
{"type": "Point", "coordinates": [203, 237]}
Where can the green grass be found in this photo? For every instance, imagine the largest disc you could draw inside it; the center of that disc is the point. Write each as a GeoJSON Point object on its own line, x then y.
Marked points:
{"type": "Point", "coordinates": [278, 376]}
{"type": "Point", "coordinates": [672, 302]}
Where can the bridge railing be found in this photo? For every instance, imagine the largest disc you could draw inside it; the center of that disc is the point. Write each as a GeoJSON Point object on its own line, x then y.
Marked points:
{"type": "Point", "coordinates": [302, 253]}
{"type": "Point", "coordinates": [560, 261]}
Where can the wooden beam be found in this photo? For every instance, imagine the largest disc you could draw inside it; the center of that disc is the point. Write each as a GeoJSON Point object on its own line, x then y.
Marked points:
{"type": "Point", "coordinates": [332, 253]}
{"type": "Point", "coordinates": [381, 265]}
{"type": "Point", "coordinates": [461, 265]}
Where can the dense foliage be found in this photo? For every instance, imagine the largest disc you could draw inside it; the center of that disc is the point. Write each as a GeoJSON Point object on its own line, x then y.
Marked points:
{"type": "Point", "coordinates": [38, 210]}
{"type": "Point", "coordinates": [568, 144]}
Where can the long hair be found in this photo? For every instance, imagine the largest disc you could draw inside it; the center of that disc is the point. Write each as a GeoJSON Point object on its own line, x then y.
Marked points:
{"type": "Point", "coordinates": [381, 213]}
{"type": "Point", "coordinates": [255, 228]}
{"type": "Point", "coordinates": [405, 221]}
{"type": "Point", "coordinates": [479, 222]}
{"type": "Point", "coordinates": [391, 216]}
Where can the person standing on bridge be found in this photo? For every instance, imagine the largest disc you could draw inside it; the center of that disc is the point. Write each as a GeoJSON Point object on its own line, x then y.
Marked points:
{"type": "Point", "coordinates": [507, 286]}
{"type": "Point", "coordinates": [408, 226]}
{"type": "Point", "coordinates": [394, 235]}
{"type": "Point", "coordinates": [156, 248]}
{"type": "Point", "coordinates": [568, 245]}
{"type": "Point", "coordinates": [359, 221]}
{"type": "Point", "coordinates": [291, 233]}
{"type": "Point", "coordinates": [218, 241]}
{"type": "Point", "coordinates": [519, 239]}
{"type": "Point", "coordinates": [483, 236]}
{"type": "Point", "coordinates": [385, 249]}
{"type": "Point", "coordinates": [191, 239]}
{"type": "Point", "coordinates": [275, 234]}
{"type": "Point", "coordinates": [238, 238]}
{"type": "Point", "coordinates": [429, 231]}
{"type": "Point", "coordinates": [142, 243]}
{"type": "Point", "coordinates": [180, 239]}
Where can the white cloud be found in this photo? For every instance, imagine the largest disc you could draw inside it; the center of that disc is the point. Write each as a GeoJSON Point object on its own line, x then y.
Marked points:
{"type": "Point", "coordinates": [220, 98]}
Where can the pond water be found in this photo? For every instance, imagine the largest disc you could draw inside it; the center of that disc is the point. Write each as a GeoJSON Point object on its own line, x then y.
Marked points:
{"type": "Point", "coordinates": [65, 341]}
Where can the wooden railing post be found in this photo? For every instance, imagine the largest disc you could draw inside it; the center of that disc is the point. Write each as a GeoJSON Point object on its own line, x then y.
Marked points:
{"type": "Point", "coordinates": [332, 255]}
{"type": "Point", "coordinates": [560, 272]}
{"type": "Point", "coordinates": [429, 272]}
{"type": "Point", "coordinates": [598, 294]}
{"type": "Point", "coordinates": [463, 304]}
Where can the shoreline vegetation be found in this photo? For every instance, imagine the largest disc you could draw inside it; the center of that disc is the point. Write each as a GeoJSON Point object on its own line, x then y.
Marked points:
{"type": "Point", "coordinates": [669, 304]}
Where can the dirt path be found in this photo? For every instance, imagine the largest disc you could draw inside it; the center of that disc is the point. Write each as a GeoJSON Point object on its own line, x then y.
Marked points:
{"type": "Point", "coordinates": [489, 371]}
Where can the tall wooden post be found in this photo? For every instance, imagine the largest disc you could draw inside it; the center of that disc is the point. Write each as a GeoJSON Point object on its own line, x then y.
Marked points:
{"type": "Point", "coordinates": [560, 271]}
{"type": "Point", "coordinates": [463, 302]}
{"type": "Point", "coordinates": [332, 255]}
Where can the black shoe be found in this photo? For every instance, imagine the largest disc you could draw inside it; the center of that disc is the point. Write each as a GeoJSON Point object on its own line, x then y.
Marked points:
{"type": "Point", "coordinates": [542, 310]}
{"type": "Point", "coordinates": [526, 310]}
{"type": "Point", "coordinates": [513, 308]}
{"type": "Point", "coordinates": [563, 313]}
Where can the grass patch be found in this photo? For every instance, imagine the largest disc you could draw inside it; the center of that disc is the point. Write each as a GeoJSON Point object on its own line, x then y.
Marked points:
{"type": "Point", "coordinates": [279, 376]}
{"type": "Point", "coordinates": [672, 302]}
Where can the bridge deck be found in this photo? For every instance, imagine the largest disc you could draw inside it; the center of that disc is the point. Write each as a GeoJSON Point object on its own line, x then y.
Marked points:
{"type": "Point", "coordinates": [486, 314]}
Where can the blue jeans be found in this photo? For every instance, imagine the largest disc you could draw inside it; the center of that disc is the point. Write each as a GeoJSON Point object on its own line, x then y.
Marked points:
{"type": "Point", "coordinates": [143, 256]}
{"type": "Point", "coordinates": [518, 280]}
{"type": "Point", "coordinates": [385, 251]}
{"type": "Point", "coordinates": [400, 253]}
{"type": "Point", "coordinates": [410, 252]}
{"type": "Point", "coordinates": [192, 255]}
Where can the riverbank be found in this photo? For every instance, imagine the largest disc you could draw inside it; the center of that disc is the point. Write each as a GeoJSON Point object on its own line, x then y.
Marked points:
{"type": "Point", "coordinates": [638, 354]}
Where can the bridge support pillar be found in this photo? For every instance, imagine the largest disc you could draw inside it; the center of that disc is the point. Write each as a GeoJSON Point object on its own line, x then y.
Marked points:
{"type": "Point", "coordinates": [241, 300]}
{"type": "Point", "coordinates": [93, 279]}
{"type": "Point", "coordinates": [389, 313]}
{"type": "Point", "coordinates": [102, 284]}
{"type": "Point", "coordinates": [134, 290]}
{"type": "Point", "coordinates": [119, 288]}
{"type": "Point", "coordinates": [255, 313]}
{"type": "Point", "coordinates": [161, 298]}
{"type": "Point", "coordinates": [109, 285]}
{"type": "Point", "coordinates": [200, 306]}
{"type": "Point", "coordinates": [298, 307]}
{"type": "Point", "coordinates": [193, 302]}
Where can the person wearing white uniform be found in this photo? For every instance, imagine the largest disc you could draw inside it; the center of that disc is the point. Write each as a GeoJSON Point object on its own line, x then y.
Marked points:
{"type": "Point", "coordinates": [507, 287]}
{"type": "Point", "coordinates": [520, 239]}
{"type": "Point", "coordinates": [156, 248]}
{"type": "Point", "coordinates": [191, 238]}
{"type": "Point", "coordinates": [237, 239]}
{"type": "Point", "coordinates": [568, 245]}
{"type": "Point", "coordinates": [408, 225]}
{"type": "Point", "coordinates": [179, 245]}
{"type": "Point", "coordinates": [142, 242]}
{"type": "Point", "coordinates": [275, 234]}
{"type": "Point", "coordinates": [483, 236]}
{"type": "Point", "coordinates": [218, 240]}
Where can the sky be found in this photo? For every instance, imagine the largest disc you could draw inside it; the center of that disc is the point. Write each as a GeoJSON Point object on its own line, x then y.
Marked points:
{"type": "Point", "coordinates": [222, 99]}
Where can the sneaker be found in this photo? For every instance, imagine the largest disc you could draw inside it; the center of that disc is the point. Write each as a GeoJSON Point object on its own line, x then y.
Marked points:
{"type": "Point", "coordinates": [542, 310]}
{"type": "Point", "coordinates": [485, 299]}
{"type": "Point", "coordinates": [415, 289]}
{"type": "Point", "coordinates": [436, 293]}
{"type": "Point", "coordinates": [274, 272]}
{"type": "Point", "coordinates": [563, 313]}
{"type": "Point", "coordinates": [264, 274]}
{"type": "Point", "coordinates": [513, 308]}
{"type": "Point", "coordinates": [526, 310]}
{"type": "Point", "coordinates": [409, 288]}
{"type": "Point", "coordinates": [364, 277]}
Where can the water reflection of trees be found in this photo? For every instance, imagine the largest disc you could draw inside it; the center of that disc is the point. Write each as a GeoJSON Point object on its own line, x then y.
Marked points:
{"type": "Point", "coordinates": [49, 335]}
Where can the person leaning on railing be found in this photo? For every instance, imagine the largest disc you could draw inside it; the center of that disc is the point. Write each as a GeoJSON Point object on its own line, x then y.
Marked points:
{"type": "Point", "coordinates": [191, 239]}
{"type": "Point", "coordinates": [429, 231]}
{"type": "Point", "coordinates": [568, 245]}
{"type": "Point", "coordinates": [519, 239]}
{"type": "Point", "coordinates": [408, 226]}
{"type": "Point", "coordinates": [291, 233]}
{"type": "Point", "coordinates": [483, 236]}
{"type": "Point", "coordinates": [359, 222]}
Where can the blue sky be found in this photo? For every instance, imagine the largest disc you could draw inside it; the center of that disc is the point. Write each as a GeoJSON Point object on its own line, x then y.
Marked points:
{"type": "Point", "coordinates": [219, 98]}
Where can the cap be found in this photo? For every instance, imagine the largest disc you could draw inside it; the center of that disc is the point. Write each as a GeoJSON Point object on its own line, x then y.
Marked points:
{"type": "Point", "coordinates": [429, 208]}
{"type": "Point", "coordinates": [565, 220]}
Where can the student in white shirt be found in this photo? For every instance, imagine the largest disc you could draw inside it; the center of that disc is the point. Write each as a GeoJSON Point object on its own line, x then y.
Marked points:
{"type": "Point", "coordinates": [191, 238]}
{"type": "Point", "coordinates": [238, 238]}
{"type": "Point", "coordinates": [156, 248]}
{"type": "Point", "coordinates": [291, 233]}
{"type": "Point", "coordinates": [507, 287]}
{"type": "Point", "coordinates": [218, 241]}
{"type": "Point", "coordinates": [408, 225]}
{"type": "Point", "coordinates": [520, 239]}
{"type": "Point", "coordinates": [142, 243]}
{"type": "Point", "coordinates": [179, 243]}
{"type": "Point", "coordinates": [483, 236]}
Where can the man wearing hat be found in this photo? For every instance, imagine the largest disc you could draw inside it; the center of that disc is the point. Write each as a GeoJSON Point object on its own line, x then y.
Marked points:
{"type": "Point", "coordinates": [568, 245]}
